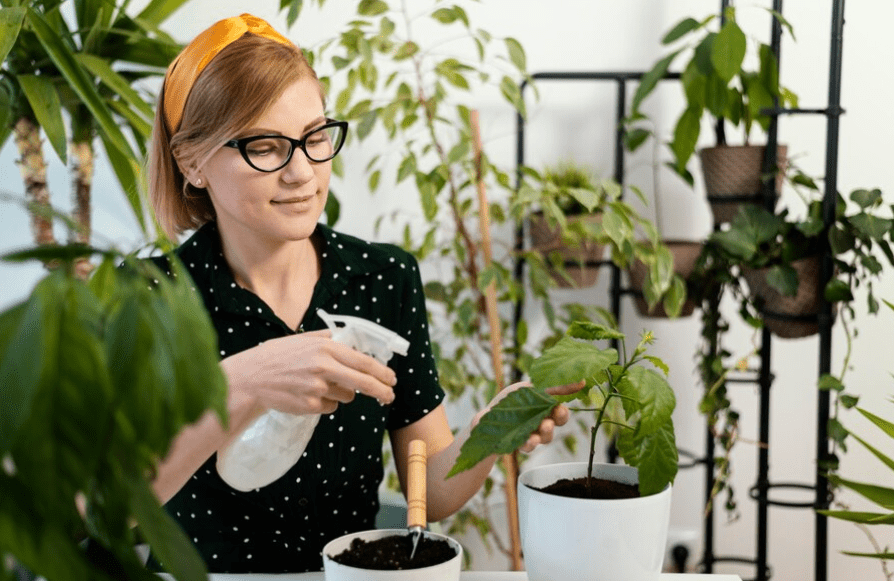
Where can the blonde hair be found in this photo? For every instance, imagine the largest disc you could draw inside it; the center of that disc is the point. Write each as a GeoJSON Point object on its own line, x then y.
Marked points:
{"type": "Point", "coordinates": [232, 92]}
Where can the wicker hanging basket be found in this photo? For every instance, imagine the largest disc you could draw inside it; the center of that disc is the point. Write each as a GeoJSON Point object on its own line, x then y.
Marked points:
{"type": "Point", "coordinates": [789, 317]}
{"type": "Point", "coordinates": [733, 176]}
{"type": "Point", "coordinates": [580, 261]}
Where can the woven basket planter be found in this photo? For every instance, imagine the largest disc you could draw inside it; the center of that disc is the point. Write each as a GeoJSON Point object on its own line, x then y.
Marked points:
{"type": "Point", "coordinates": [733, 176]}
{"type": "Point", "coordinates": [547, 239]}
{"type": "Point", "coordinates": [685, 255]}
{"type": "Point", "coordinates": [789, 317]}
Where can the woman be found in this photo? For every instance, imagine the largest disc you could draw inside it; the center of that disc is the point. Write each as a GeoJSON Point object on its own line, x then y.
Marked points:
{"type": "Point", "coordinates": [242, 154]}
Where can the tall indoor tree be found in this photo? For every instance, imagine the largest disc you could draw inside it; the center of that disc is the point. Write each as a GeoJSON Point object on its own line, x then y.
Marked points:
{"type": "Point", "coordinates": [69, 72]}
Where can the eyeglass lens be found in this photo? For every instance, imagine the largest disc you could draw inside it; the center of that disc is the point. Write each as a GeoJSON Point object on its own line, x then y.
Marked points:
{"type": "Point", "coordinates": [271, 153]}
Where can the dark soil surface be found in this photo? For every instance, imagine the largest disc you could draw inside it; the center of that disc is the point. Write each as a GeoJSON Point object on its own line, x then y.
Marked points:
{"type": "Point", "coordinates": [393, 553]}
{"type": "Point", "coordinates": [598, 488]}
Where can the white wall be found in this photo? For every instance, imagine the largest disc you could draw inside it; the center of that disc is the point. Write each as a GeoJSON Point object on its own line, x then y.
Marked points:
{"type": "Point", "coordinates": [573, 35]}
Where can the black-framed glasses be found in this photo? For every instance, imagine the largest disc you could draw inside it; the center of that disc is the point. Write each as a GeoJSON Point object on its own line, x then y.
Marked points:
{"type": "Point", "coordinates": [272, 152]}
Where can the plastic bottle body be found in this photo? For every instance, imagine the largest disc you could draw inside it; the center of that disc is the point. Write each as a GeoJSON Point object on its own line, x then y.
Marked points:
{"type": "Point", "coordinates": [274, 443]}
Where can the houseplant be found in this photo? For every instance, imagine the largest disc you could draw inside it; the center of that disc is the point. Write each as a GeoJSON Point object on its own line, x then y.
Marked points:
{"type": "Point", "coordinates": [716, 82]}
{"type": "Point", "coordinates": [621, 393]}
{"type": "Point", "coordinates": [632, 240]}
{"type": "Point", "coordinates": [565, 228]}
{"type": "Point", "coordinates": [778, 255]}
{"type": "Point", "coordinates": [876, 492]}
{"type": "Point", "coordinates": [97, 378]}
{"type": "Point", "coordinates": [72, 80]}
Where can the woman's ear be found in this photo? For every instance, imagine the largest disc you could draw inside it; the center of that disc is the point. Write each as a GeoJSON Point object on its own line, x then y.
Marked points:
{"type": "Point", "coordinates": [193, 175]}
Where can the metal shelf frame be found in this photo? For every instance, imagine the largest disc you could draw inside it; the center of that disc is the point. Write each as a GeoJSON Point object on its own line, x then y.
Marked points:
{"type": "Point", "coordinates": [763, 377]}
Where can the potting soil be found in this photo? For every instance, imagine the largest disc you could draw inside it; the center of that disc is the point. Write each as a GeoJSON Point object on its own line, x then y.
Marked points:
{"type": "Point", "coordinates": [393, 553]}
{"type": "Point", "coordinates": [597, 488]}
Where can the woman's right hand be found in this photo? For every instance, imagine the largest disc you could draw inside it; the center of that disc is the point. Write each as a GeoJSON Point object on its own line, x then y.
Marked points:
{"type": "Point", "coordinates": [308, 373]}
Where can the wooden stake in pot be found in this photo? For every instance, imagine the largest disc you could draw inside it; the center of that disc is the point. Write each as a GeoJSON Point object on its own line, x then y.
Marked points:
{"type": "Point", "coordinates": [510, 461]}
{"type": "Point", "coordinates": [416, 505]}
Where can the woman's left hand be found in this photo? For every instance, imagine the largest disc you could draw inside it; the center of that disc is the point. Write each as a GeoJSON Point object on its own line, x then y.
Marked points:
{"type": "Point", "coordinates": [559, 416]}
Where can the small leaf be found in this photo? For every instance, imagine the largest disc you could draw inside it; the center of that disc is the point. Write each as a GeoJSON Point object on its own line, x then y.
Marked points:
{"type": "Point", "coordinates": [371, 7]}
{"type": "Point", "coordinates": [680, 30]}
{"type": "Point", "coordinates": [516, 54]}
{"type": "Point", "coordinates": [592, 331]}
{"type": "Point", "coordinates": [650, 80]}
{"type": "Point", "coordinates": [829, 382]}
{"type": "Point", "coordinates": [838, 290]}
{"type": "Point", "coordinates": [866, 198]}
{"type": "Point", "coordinates": [784, 278]}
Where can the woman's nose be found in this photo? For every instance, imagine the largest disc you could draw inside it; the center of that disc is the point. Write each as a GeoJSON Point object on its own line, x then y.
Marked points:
{"type": "Point", "coordinates": [299, 169]}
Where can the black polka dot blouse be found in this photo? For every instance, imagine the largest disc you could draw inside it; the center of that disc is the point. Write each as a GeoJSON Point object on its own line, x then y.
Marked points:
{"type": "Point", "coordinates": [333, 489]}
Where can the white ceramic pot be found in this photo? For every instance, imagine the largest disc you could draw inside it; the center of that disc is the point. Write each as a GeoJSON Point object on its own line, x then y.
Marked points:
{"type": "Point", "coordinates": [575, 539]}
{"type": "Point", "coordinates": [447, 571]}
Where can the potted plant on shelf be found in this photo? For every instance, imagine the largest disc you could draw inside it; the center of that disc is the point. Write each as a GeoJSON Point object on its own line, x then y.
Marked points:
{"type": "Point", "coordinates": [590, 534]}
{"type": "Point", "coordinates": [716, 82]}
{"type": "Point", "coordinates": [611, 222]}
{"type": "Point", "coordinates": [779, 257]}
{"type": "Point", "coordinates": [566, 228]}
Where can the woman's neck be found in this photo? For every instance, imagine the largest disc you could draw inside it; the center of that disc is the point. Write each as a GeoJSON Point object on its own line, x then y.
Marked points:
{"type": "Point", "coordinates": [283, 275]}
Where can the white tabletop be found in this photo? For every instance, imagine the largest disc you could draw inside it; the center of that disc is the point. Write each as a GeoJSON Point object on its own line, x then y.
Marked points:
{"type": "Point", "coordinates": [464, 576]}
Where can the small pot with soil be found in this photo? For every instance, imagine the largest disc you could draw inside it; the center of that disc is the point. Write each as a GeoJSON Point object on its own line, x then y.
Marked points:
{"type": "Point", "coordinates": [384, 555]}
{"type": "Point", "coordinates": [603, 531]}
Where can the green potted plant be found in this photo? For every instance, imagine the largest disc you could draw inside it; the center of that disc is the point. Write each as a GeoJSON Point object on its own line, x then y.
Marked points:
{"type": "Point", "coordinates": [97, 378]}
{"type": "Point", "coordinates": [566, 228]}
{"type": "Point", "coordinates": [779, 256]}
{"type": "Point", "coordinates": [588, 534]}
{"type": "Point", "coordinates": [632, 239]}
{"type": "Point", "coordinates": [716, 82]}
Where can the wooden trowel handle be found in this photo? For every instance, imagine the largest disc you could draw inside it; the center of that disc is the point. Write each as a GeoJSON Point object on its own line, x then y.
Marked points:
{"type": "Point", "coordinates": [416, 459]}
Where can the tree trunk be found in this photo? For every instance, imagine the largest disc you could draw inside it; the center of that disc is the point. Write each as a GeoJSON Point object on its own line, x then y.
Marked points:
{"type": "Point", "coordinates": [34, 174]}
{"type": "Point", "coordinates": [82, 180]}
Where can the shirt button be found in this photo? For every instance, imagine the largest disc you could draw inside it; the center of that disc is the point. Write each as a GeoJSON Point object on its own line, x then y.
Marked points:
{"type": "Point", "coordinates": [302, 502]}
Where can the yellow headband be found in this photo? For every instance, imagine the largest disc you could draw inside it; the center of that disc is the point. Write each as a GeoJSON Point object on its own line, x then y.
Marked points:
{"type": "Point", "coordinates": [186, 68]}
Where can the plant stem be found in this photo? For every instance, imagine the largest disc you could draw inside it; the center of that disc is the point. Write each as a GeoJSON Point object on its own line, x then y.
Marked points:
{"type": "Point", "coordinates": [34, 173]}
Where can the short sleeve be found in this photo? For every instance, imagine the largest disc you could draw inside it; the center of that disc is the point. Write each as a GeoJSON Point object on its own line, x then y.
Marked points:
{"type": "Point", "coordinates": [417, 392]}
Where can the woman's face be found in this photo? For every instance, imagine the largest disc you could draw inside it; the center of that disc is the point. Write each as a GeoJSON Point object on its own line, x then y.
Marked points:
{"type": "Point", "coordinates": [275, 207]}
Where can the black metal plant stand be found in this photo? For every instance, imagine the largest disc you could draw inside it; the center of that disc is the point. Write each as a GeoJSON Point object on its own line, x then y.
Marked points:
{"type": "Point", "coordinates": [763, 376]}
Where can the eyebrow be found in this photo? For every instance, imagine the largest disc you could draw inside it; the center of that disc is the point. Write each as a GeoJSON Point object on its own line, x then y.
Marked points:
{"type": "Point", "coordinates": [252, 131]}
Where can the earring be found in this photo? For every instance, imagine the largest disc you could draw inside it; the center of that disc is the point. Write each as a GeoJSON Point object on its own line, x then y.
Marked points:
{"type": "Point", "coordinates": [199, 182]}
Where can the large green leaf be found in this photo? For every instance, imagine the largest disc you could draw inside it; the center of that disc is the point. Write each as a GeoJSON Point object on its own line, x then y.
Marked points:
{"type": "Point", "coordinates": [10, 24]}
{"type": "Point", "coordinates": [882, 423]}
{"type": "Point", "coordinates": [20, 341]}
{"type": "Point", "coordinates": [887, 460]}
{"type": "Point", "coordinates": [650, 80]}
{"type": "Point", "coordinates": [171, 546]}
{"type": "Point", "coordinates": [728, 51]}
{"type": "Point", "coordinates": [101, 69]}
{"type": "Point", "coordinates": [654, 454]}
{"type": "Point", "coordinates": [570, 361]}
{"type": "Point", "coordinates": [685, 137]}
{"type": "Point", "coordinates": [655, 400]}
{"type": "Point", "coordinates": [505, 427]}
{"type": "Point", "coordinates": [158, 10]}
{"type": "Point", "coordinates": [869, 518]}
{"type": "Point", "coordinates": [44, 101]}
{"type": "Point", "coordinates": [878, 494]}
{"type": "Point", "coordinates": [64, 59]}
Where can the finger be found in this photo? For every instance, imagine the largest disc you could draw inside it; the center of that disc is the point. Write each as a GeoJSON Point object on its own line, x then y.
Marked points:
{"type": "Point", "coordinates": [363, 362]}
{"type": "Point", "coordinates": [566, 389]}
{"type": "Point", "coordinates": [545, 431]}
{"type": "Point", "coordinates": [350, 378]}
{"type": "Point", "coordinates": [560, 415]}
{"type": "Point", "coordinates": [324, 333]}
{"type": "Point", "coordinates": [533, 442]}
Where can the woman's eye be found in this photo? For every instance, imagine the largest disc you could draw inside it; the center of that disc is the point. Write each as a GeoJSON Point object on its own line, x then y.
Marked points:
{"type": "Point", "coordinates": [261, 148]}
